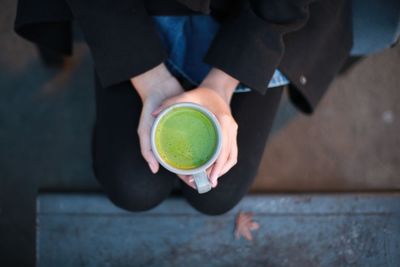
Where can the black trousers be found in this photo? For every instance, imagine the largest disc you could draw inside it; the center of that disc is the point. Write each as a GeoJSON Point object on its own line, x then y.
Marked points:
{"type": "Point", "coordinates": [126, 177]}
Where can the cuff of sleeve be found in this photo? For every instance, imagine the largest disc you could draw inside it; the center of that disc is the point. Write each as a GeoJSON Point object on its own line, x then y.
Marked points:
{"type": "Point", "coordinates": [248, 49]}
{"type": "Point", "coordinates": [300, 101]}
{"type": "Point", "coordinates": [55, 36]}
{"type": "Point", "coordinates": [46, 23]}
{"type": "Point", "coordinates": [122, 38]}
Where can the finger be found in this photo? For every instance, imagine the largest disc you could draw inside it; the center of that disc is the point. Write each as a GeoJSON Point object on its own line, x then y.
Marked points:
{"type": "Point", "coordinates": [164, 105]}
{"type": "Point", "coordinates": [232, 159]}
{"type": "Point", "coordinates": [216, 169]}
{"type": "Point", "coordinates": [220, 162]}
{"type": "Point", "coordinates": [208, 172]}
{"type": "Point", "coordinates": [188, 179]}
{"type": "Point", "coordinates": [157, 111]}
{"type": "Point", "coordinates": [145, 148]}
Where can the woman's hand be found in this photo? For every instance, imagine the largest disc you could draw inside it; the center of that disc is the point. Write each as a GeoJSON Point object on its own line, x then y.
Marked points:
{"type": "Point", "coordinates": [214, 93]}
{"type": "Point", "coordinates": [153, 87]}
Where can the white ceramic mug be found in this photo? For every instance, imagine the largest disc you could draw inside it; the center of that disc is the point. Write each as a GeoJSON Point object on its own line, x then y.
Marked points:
{"type": "Point", "coordinates": [199, 174]}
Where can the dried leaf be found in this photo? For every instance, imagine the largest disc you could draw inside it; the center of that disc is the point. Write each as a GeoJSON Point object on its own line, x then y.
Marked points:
{"type": "Point", "coordinates": [244, 224]}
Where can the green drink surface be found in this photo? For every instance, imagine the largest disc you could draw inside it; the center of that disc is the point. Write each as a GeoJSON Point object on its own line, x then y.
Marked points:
{"type": "Point", "coordinates": [186, 138]}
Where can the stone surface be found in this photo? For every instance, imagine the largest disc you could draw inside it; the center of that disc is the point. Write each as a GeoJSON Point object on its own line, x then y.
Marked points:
{"type": "Point", "coordinates": [295, 230]}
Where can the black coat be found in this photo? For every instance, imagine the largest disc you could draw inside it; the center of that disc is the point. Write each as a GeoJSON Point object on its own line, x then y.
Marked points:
{"type": "Point", "coordinates": [307, 40]}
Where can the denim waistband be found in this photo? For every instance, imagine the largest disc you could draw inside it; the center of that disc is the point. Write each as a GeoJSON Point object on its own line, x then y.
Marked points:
{"type": "Point", "coordinates": [187, 39]}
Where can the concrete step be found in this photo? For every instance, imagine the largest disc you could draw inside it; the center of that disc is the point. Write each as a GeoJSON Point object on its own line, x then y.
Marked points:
{"type": "Point", "coordinates": [296, 230]}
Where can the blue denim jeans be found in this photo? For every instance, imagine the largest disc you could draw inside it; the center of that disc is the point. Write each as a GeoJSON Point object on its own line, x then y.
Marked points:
{"type": "Point", "coordinates": [187, 39]}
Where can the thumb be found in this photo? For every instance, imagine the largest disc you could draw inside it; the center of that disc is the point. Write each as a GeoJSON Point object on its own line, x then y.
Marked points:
{"type": "Point", "coordinates": [167, 103]}
{"type": "Point", "coordinates": [157, 111]}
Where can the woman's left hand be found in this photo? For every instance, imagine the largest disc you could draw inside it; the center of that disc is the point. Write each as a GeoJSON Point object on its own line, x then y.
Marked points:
{"type": "Point", "coordinates": [218, 104]}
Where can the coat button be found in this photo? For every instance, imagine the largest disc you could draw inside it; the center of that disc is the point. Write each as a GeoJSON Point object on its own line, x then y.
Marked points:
{"type": "Point", "coordinates": [303, 79]}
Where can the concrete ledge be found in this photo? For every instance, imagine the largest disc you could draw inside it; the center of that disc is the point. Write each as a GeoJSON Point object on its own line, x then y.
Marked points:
{"type": "Point", "coordinates": [296, 230]}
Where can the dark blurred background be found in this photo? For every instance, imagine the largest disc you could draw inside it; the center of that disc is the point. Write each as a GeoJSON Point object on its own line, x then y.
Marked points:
{"type": "Point", "coordinates": [350, 144]}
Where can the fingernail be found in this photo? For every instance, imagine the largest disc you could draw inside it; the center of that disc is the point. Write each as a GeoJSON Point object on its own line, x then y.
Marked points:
{"type": "Point", "coordinates": [214, 177]}
{"type": "Point", "coordinates": [152, 167]}
{"type": "Point", "coordinates": [157, 110]}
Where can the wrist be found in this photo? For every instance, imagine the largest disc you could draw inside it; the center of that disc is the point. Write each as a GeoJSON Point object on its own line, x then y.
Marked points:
{"type": "Point", "coordinates": [220, 82]}
{"type": "Point", "coordinates": [152, 80]}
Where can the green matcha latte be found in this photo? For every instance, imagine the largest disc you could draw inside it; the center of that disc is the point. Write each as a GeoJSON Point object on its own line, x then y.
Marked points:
{"type": "Point", "coordinates": [186, 138]}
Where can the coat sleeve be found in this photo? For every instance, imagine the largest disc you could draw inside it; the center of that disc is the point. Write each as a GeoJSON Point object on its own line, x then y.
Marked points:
{"type": "Point", "coordinates": [47, 23]}
{"type": "Point", "coordinates": [250, 45]}
{"type": "Point", "coordinates": [120, 34]}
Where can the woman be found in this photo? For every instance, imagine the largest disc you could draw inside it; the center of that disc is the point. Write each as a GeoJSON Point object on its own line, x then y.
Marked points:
{"type": "Point", "coordinates": [136, 78]}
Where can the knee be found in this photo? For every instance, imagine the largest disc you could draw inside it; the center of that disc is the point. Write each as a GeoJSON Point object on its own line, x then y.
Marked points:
{"type": "Point", "coordinates": [135, 199]}
{"type": "Point", "coordinates": [133, 191]}
{"type": "Point", "coordinates": [213, 205]}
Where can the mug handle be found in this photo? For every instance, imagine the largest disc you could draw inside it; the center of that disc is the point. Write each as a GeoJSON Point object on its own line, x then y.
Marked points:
{"type": "Point", "coordinates": [202, 183]}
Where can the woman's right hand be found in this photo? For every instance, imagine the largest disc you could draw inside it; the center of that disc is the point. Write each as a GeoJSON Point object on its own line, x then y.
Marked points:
{"type": "Point", "coordinates": [153, 87]}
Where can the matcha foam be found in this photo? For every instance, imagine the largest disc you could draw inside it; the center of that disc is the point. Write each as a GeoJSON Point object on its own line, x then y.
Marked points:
{"type": "Point", "coordinates": [186, 138]}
